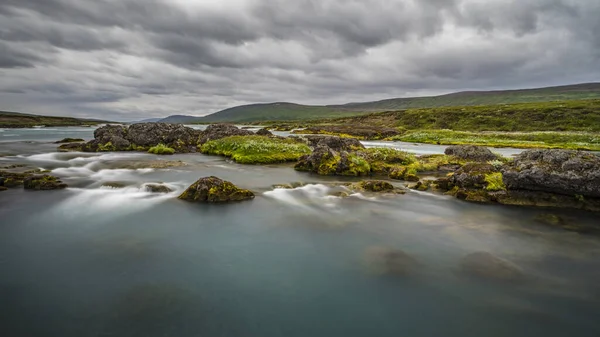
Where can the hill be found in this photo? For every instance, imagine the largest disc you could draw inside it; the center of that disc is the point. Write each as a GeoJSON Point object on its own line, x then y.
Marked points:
{"type": "Point", "coordinates": [22, 120]}
{"type": "Point", "coordinates": [282, 111]}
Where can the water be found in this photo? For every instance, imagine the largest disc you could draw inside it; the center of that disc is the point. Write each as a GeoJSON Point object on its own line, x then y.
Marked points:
{"type": "Point", "coordinates": [96, 261]}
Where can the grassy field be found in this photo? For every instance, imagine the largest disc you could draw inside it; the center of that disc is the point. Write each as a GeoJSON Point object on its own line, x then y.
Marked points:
{"type": "Point", "coordinates": [19, 120]}
{"type": "Point", "coordinates": [541, 139]}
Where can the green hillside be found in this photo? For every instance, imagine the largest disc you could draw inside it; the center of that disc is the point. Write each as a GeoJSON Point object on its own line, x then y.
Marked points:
{"type": "Point", "coordinates": [291, 111]}
{"type": "Point", "coordinates": [22, 120]}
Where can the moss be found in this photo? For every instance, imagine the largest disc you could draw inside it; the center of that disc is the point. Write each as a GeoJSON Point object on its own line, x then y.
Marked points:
{"type": "Point", "coordinates": [358, 166]}
{"type": "Point", "coordinates": [256, 149]}
{"type": "Point", "coordinates": [494, 182]}
{"type": "Point", "coordinates": [107, 147]}
{"type": "Point", "coordinates": [161, 149]}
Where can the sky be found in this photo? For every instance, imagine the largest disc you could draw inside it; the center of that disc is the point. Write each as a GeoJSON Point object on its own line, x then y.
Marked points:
{"type": "Point", "coordinates": [134, 59]}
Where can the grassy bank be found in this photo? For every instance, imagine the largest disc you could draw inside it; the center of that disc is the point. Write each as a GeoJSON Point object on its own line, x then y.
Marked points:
{"type": "Point", "coordinates": [541, 139]}
{"type": "Point", "coordinates": [19, 120]}
{"type": "Point", "coordinates": [256, 149]}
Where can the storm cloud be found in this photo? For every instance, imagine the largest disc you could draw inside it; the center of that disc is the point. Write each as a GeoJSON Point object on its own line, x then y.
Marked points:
{"type": "Point", "coordinates": [132, 59]}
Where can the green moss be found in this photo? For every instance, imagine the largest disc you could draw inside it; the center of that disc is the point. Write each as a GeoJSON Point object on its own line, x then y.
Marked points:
{"type": "Point", "coordinates": [106, 147]}
{"type": "Point", "coordinates": [358, 166]}
{"type": "Point", "coordinates": [256, 149]}
{"type": "Point", "coordinates": [161, 149]}
{"type": "Point", "coordinates": [494, 182]}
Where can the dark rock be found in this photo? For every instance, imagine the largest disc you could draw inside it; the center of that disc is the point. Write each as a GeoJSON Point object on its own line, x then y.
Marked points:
{"type": "Point", "coordinates": [472, 175]}
{"type": "Point", "coordinates": [325, 161]}
{"type": "Point", "coordinates": [546, 199]}
{"type": "Point", "coordinates": [470, 152]}
{"type": "Point", "coordinates": [218, 131]}
{"type": "Point", "coordinates": [43, 182]}
{"type": "Point", "coordinates": [69, 140]}
{"type": "Point", "coordinates": [554, 220]}
{"type": "Point", "coordinates": [70, 147]}
{"type": "Point", "coordinates": [3, 188]}
{"type": "Point", "coordinates": [335, 143]}
{"type": "Point", "coordinates": [486, 266]}
{"type": "Point", "coordinates": [556, 171]}
{"type": "Point", "coordinates": [375, 186]}
{"type": "Point", "coordinates": [264, 132]}
{"type": "Point", "coordinates": [142, 136]}
{"type": "Point", "coordinates": [215, 190]}
{"type": "Point", "coordinates": [157, 188]}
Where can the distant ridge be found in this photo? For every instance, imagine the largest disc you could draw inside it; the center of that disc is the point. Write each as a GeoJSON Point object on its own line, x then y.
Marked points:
{"type": "Point", "coordinates": [10, 119]}
{"type": "Point", "coordinates": [284, 111]}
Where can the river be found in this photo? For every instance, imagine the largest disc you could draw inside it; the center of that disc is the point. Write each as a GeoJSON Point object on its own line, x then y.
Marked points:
{"type": "Point", "coordinates": [92, 260]}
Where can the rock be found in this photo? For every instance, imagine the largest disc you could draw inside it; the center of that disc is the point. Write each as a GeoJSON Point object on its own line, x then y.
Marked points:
{"type": "Point", "coordinates": [264, 132]}
{"type": "Point", "coordinates": [142, 136]}
{"type": "Point", "coordinates": [69, 140]}
{"type": "Point", "coordinates": [554, 220]}
{"type": "Point", "coordinates": [113, 184]}
{"type": "Point", "coordinates": [546, 199]}
{"type": "Point", "coordinates": [556, 171]}
{"type": "Point", "coordinates": [470, 152]}
{"type": "Point", "coordinates": [3, 188]}
{"type": "Point", "coordinates": [422, 185]}
{"type": "Point", "coordinates": [218, 131]}
{"type": "Point", "coordinates": [337, 143]}
{"type": "Point", "coordinates": [472, 175]}
{"type": "Point", "coordinates": [389, 261]}
{"type": "Point", "coordinates": [375, 186]}
{"type": "Point", "coordinates": [70, 147]}
{"type": "Point", "coordinates": [157, 188]}
{"type": "Point", "coordinates": [484, 265]}
{"type": "Point", "coordinates": [325, 161]}
{"type": "Point", "coordinates": [43, 182]}
{"type": "Point", "coordinates": [215, 190]}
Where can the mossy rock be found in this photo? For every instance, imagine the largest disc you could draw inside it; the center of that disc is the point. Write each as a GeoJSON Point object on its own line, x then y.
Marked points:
{"type": "Point", "coordinates": [43, 182]}
{"type": "Point", "coordinates": [215, 190]}
{"type": "Point", "coordinates": [69, 140]}
{"type": "Point", "coordinates": [3, 188]}
{"type": "Point", "coordinates": [375, 186]}
{"type": "Point", "coordinates": [71, 147]}
{"type": "Point", "coordinates": [157, 188]}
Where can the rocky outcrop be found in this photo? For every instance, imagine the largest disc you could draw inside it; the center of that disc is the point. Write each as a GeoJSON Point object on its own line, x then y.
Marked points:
{"type": "Point", "coordinates": [43, 182]}
{"type": "Point", "coordinates": [215, 190]}
{"type": "Point", "coordinates": [264, 132]}
{"type": "Point", "coordinates": [335, 143]}
{"type": "Point", "coordinates": [143, 136]}
{"type": "Point", "coordinates": [484, 265]}
{"type": "Point", "coordinates": [470, 152]}
{"type": "Point", "coordinates": [472, 175]}
{"type": "Point", "coordinates": [375, 186]}
{"type": "Point", "coordinates": [218, 131]}
{"type": "Point", "coordinates": [555, 171]}
{"type": "Point", "coordinates": [69, 140]}
{"type": "Point", "coordinates": [325, 161]}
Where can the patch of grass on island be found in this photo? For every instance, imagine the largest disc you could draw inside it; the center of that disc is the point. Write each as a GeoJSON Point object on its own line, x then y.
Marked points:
{"type": "Point", "coordinates": [161, 149]}
{"type": "Point", "coordinates": [541, 139]}
{"type": "Point", "coordinates": [256, 149]}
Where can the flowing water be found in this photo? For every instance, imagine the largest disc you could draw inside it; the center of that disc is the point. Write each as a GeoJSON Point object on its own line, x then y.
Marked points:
{"type": "Point", "coordinates": [93, 260]}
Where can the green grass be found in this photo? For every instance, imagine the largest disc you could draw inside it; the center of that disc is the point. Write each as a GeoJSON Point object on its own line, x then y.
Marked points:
{"type": "Point", "coordinates": [161, 149]}
{"type": "Point", "coordinates": [494, 182]}
{"type": "Point", "coordinates": [256, 149]}
{"type": "Point", "coordinates": [543, 139]}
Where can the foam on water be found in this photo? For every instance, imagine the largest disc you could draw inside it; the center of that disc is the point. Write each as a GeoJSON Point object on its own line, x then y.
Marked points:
{"type": "Point", "coordinates": [313, 197]}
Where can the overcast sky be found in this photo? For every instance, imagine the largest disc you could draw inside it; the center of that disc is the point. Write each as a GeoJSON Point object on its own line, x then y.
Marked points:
{"type": "Point", "coordinates": [132, 59]}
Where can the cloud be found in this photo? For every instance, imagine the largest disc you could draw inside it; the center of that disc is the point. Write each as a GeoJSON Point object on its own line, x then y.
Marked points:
{"type": "Point", "coordinates": [132, 59]}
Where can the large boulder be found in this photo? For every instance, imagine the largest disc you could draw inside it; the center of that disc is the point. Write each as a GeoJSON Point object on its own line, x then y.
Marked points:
{"type": "Point", "coordinates": [325, 161]}
{"type": "Point", "coordinates": [215, 190]}
{"type": "Point", "coordinates": [555, 171]}
{"type": "Point", "coordinates": [218, 131]}
{"type": "Point", "coordinates": [486, 266]}
{"type": "Point", "coordinates": [43, 182]}
{"type": "Point", "coordinates": [108, 138]}
{"type": "Point", "coordinates": [470, 152]}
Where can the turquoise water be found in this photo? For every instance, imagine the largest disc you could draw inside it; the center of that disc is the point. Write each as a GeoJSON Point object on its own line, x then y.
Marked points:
{"type": "Point", "coordinates": [96, 261]}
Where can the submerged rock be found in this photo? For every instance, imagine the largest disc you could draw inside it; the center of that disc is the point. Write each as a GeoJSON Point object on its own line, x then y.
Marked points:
{"type": "Point", "coordinates": [470, 152]}
{"type": "Point", "coordinates": [486, 266]}
{"type": "Point", "coordinates": [218, 131]}
{"type": "Point", "coordinates": [69, 140]}
{"type": "Point", "coordinates": [375, 186]}
{"type": "Point", "coordinates": [215, 190]}
{"type": "Point", "coordinates": [557, 221]}
{"type": "Point", "coordinates": [556, 171]}
{"type": "Point", "coordinates": [71, 147]}
{"type": "Point", "coordinates": [389, 261]}
{"type": "Point", "coordinates": [43, 182]}
{"type": "Point", "coordinates": [157, 188]}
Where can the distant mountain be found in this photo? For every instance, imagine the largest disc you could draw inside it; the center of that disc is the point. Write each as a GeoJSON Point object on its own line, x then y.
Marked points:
{"type": "Point", "coordinates": [23, 120]}
{"type": "Point", "coordinates": [148, 120]}
{"type": "Point", "coordinates": [283, 111]}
